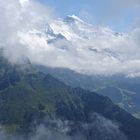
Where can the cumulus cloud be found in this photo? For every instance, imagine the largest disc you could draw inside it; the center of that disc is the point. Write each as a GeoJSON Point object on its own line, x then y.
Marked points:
{"type": "Point", "coordinates": [28, 30]}
{"type": "Point", "coordinates": [20, 16]}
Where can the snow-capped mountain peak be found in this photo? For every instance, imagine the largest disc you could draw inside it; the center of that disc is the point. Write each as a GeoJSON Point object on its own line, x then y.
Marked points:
{"type": "Point", "coordinates": [79, 33]}
{"type": "Point", "coordinates": [77, 45]}
{"type": "Point", "coordinates": [83, 34]}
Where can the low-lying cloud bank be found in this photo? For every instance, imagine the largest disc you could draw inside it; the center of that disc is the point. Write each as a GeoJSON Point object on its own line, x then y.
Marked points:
{"type": "Point", "coordinates": [99, 129]}
{"type": "Point", "coordinates": [29, 30]}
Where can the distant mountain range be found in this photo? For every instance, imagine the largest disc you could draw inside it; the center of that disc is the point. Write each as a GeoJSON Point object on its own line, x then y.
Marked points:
{"type": "Point", "coordinates": [124, 91]}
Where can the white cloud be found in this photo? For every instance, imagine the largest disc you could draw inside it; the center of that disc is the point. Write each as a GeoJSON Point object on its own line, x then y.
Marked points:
{"type": "Point", "coordinates": [15, 18]}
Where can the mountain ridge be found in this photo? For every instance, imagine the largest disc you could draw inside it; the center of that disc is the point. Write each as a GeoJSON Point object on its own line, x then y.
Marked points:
{"type": "Point", "coordinates": [33, 93]}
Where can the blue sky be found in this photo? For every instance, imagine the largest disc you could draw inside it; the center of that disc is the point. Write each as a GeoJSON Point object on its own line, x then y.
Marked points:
{"type": "Point", "coordinates": [118, 15]}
